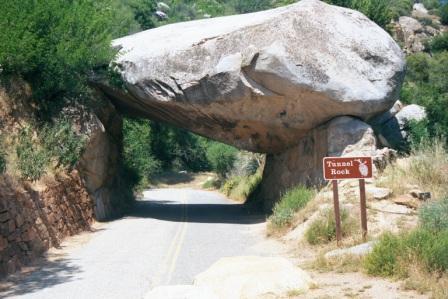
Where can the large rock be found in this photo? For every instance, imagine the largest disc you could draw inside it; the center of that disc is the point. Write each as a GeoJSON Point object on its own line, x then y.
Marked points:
{"type": "Point", "coordinates": [260, 81]}
{"type": "Point", "coordinates": [253, 277]}
{"type": "Point", "coordinates": [302, 164]}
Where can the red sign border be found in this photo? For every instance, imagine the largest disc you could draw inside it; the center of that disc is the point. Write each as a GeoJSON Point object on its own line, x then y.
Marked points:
{"type": "Point", "coordinates": [357, 157]}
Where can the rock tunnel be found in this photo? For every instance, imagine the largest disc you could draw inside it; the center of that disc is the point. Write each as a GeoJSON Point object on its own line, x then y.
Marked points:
{"type": "Point", "coordinates": [298, 83]}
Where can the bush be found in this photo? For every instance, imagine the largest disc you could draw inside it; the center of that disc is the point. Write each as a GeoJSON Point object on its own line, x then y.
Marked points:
{"type": "Point", "coordinates": [241, 187]}
{"type": "Point", "coordinates": [137, 151]}
{"type": "Point", "coordinates": [55, 44]}
{"type": "Point", "coordinates": [439, 43]}
{"type": "Point", "coordinates": [431, 4]}
{"type": "Point", "coordinates": [393, 255]}
{"type": "Point", "coordinates": [383, 259]}
{"type": "Point", "coordinates": [378, 11]}
{"type": "Point", "coordinates": [291, 202]}
{"type": "Point", "coordinates": [400, 8]}
{"type": "Point", "coordinates": [434, 216]}
{"type": "Point", "coordinates": [435, 253]}
{"type": "Point", "coordinates": [61, 142]}
{"type": "Point", "coordinates": [221, 158]}
{"type": "Point", "coordinates": [33, 160]}
{"type": "Point", "coordinates": [417, 132]}
{"type": "Point", "coordinates": [444, 14]}
{"type": "Point", "coordinates": [323, 230]}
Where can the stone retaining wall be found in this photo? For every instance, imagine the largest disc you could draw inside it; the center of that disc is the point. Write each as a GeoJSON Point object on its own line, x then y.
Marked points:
{"type": "Point", "coordinates": [34, 218]}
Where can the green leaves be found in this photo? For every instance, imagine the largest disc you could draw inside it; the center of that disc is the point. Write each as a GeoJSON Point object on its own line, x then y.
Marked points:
{"type": "Point", "coordinates": [55, 44]}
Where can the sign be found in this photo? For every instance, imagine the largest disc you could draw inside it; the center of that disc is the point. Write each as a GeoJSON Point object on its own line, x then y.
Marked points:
{"type": "Point", "coordinates": [339, 168]}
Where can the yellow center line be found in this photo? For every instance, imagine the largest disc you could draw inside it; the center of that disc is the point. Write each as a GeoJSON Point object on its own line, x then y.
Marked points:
{"type": "Point", "coordinates": [173, 250]}
{"type": "Point", "coordinates": [180, 242]}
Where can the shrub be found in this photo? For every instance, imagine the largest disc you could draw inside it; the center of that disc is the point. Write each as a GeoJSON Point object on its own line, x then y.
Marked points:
{"type": "Point", "coordinates": [434, 215]}
{"type": "Point", "coordinates": [323, 229]}
{"type": "Point", "coordinates": [137, 151]}
{"type": "Point", "coordinates": [431, 4]}
{"type": "Point", "coordinates": [61, 142]}
{"type": "Point", "coordinates": [33, 160]}
{"type": "Point", "coordinates": [435, 253]}
{"type": "Point", "coordinates": [383, 259]}
{"type": "Point", "coordinates": [241, 187]}
{"type": "Point", "coordinates": [444, 14]}
{"type": "Point", "coordinates": [393, 255]}
{"type": "Point", "coordinates": [439, 43]}
{"type": "Point", "coordinates": [291, 202]}
{"type": "Point", "coordinates": [44, 40]}
{"type": "Point", "coordinates": [417, 132]}
{"type": "Point", "coordinates": [211, 184]}
{"type": "Point", "coordinates": [400, 8]}
{"type": "Point", "coordinates": [378, 11]}
{"type": "Point", "coordinates": [221, 158]}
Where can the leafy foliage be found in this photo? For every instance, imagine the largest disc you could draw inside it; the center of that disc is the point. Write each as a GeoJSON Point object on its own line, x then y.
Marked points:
{"type": "Point", "coordinates": [61, 141]}
{"type": "Point", "coordinates": [137, 152]}
{"type": "Point", "coordinates": [221, 157]}
{"type": "Point", "coordinates": [434, 215]}
{"type": "Point", "coordinates": [323, 229]}
{"type": "Point", "coordinates": [427, 85]}
{"type": "Point", "coordinates": [45, 40]}
{"type": "Point", "coordinates": [33, 159]}
{"type": "Point", "coordinates": [393, 254]}
{"type": "Point", "coordinates": [55, 142]}
{"type": "Point", "coordinates": [444, 14]}
{"type": "Point", "coordinates": [439, 43]}
{"type": "Point", "coordinates": [291, 202]}
{"type": "Point", "coordinates": [378, 11]}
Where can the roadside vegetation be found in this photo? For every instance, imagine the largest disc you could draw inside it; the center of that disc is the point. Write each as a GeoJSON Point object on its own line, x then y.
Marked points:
{"type": "Point", "coordinates": [289, 204]}
{"type": "Point", "coordinates": [323, 229]}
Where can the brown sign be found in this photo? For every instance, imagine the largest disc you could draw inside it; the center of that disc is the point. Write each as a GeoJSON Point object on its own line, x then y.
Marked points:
{"type": "Point", "coordinates": [339, 168]}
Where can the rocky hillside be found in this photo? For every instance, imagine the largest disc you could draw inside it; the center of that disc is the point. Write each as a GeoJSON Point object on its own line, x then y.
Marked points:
{"type": "Point", "coordinates": [43, 198]}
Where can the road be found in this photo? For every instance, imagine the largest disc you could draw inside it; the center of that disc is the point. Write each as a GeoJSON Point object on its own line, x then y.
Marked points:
{"type": "Point", "coordinates": [171, 236]}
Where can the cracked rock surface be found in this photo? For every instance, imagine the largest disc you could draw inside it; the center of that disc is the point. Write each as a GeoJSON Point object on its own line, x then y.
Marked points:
{"type": "Point", "coordinates": [260, 81]}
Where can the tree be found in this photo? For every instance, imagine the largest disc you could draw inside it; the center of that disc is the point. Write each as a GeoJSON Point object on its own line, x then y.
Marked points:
{"type": "Point", "coordinates": [55, 44]}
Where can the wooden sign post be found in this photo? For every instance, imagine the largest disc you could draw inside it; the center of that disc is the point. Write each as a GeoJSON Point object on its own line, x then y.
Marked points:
{"type": "Point", "coordinates": [339, 168]}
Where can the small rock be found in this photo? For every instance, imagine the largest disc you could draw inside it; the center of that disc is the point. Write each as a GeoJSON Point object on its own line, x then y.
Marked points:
{"type": "Point", "coordinates": [416, 193]}
{"type": "Point", "coordinates": [378, 193]}
{"type": "Point", "coordinates": [408, 201]}
{"type": "Point", "coordinates": [358, 250]}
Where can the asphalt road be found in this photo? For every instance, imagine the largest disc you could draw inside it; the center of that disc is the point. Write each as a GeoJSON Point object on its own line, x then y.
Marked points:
{"type": "Point", "coordinates": [171, 236]}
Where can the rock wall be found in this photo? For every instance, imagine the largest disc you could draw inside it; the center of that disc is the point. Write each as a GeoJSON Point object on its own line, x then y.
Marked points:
{"type": "Point", "coordinates": [35, 217]}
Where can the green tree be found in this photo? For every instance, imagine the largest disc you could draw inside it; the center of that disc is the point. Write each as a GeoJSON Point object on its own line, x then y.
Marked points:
{"type": "Point", "coordinates": [444, 14]}
{"type": "Point", "coordinates": [55, 44]}
{"type": "Point", "coordinates": [137, 151]}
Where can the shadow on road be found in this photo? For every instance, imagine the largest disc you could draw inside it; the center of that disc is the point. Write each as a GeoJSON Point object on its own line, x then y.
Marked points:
{"type": "Point", "coordinates": [48, 274]}
{"type": "Point", "coordinates": [199, 213]}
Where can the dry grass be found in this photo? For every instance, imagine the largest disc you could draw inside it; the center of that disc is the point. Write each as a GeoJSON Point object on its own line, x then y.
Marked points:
{"type": "Point", "coordinates": [426, 167]}
{"type": "Point", "coordinates": [422, 281]}
{"type": "Point", "coordinates": [343, 264]}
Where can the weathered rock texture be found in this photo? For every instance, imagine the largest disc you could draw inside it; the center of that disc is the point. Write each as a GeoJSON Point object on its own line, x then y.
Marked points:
{"type": "Point", "coordinates": [37, 215]}
{"type": "Point", "coordinates": [99, 165]}
{"type": "Point", "coordinates": [260, 81]}
{"type": "Point", "coordinates": [302, 164]}
{"type": "Point", "coordinates": [34, 218]}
